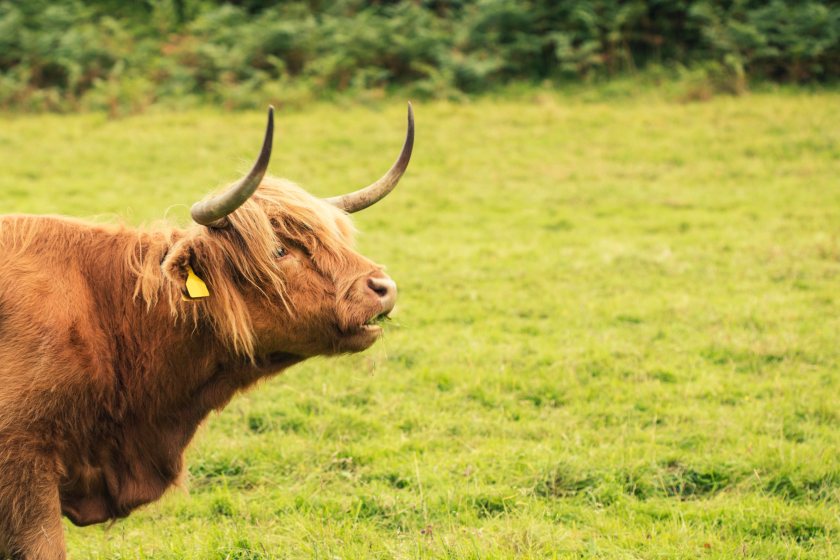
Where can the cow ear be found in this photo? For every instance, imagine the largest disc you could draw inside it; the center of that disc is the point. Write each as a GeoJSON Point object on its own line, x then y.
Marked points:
{"type": "Point", "coordinates": [177, 262]}
{"type": "Point", "coordinates": [181, 265]}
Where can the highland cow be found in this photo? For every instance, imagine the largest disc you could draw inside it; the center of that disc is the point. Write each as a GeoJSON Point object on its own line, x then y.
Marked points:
{"type": "Point", "coordinates": [115, 343]}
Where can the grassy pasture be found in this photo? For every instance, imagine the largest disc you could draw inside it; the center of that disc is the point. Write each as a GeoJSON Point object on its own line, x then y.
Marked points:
{"type": "Point", "coordinates": [617, 335]}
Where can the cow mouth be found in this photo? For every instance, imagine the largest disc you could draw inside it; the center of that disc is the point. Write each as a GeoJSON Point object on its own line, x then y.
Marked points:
{"type": "Point", "coordinates": [377, 322]}
{"type": "Point", "coordinates": [361, 337]}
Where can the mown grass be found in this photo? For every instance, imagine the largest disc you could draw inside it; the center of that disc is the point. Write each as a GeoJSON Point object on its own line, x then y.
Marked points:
{"type": "Point", "coordinates": [617, 334]}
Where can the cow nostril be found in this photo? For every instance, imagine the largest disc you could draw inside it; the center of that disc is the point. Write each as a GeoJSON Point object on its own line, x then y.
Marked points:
{"type": "Point", "coordinates": [380, 289]}
{"type": "Point", "coordinates": [386, 291]}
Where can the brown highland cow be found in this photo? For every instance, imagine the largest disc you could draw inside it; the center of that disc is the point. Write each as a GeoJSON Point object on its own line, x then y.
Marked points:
{"type": "Point", "coordinates": [115, 343]}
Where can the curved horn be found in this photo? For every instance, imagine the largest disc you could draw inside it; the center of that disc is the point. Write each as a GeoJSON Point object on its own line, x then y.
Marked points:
{"type": "Point", "coordinates": [362, 198]}
{"type": "Point", "coordinates": [213, 211]}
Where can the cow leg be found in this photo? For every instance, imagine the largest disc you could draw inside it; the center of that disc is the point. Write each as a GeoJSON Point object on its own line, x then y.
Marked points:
{"type": "Point", "coordinates": [30, 513]}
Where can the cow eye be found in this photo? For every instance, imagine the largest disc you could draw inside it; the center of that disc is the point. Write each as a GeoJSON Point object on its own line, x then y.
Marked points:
{"type": "Point", "coordinates": [280, 252]}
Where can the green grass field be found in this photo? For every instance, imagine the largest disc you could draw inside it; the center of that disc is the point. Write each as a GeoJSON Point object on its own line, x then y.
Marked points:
{"type": "Point", "coordinates": [617, 335]}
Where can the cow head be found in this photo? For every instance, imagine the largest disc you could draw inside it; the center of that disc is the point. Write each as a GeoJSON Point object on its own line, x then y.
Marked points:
{"type": "Point", "coordinates": [284, 280]}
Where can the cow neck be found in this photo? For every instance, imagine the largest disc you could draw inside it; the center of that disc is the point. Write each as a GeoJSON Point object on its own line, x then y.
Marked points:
{"type": "Point", "coordinates": [158, 360]}
{"type": "Point", "coordinates": [189, 370]}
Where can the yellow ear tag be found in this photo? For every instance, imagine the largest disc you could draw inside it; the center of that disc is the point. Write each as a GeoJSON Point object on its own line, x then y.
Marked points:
{"type": "Point", "coordinates": [196, 288]}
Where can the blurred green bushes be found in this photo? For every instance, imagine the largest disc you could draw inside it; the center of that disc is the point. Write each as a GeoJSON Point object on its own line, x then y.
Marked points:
{"type": "Point", "coordinates": [122, 56]}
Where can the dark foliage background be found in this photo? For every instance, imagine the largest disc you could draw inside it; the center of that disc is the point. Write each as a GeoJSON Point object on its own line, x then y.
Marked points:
{"type": "Point", "coordinates": [72, 54]}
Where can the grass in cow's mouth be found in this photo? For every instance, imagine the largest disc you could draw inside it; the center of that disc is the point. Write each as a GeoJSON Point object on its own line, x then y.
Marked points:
{"type": "Point", "coordinates": [620, 330]}
{"type": "Point", "coordinates": [378, 321]}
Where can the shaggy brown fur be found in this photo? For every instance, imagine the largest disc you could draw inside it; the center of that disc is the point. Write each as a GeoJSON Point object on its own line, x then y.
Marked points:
{"type": "Point", "coordinates": [106, 371]}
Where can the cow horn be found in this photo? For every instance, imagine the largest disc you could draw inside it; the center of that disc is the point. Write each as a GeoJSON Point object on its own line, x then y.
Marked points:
{"type": "Point", "coordinates": [213, 212]}
{"type": "Point", "coordinates": [362, 198]}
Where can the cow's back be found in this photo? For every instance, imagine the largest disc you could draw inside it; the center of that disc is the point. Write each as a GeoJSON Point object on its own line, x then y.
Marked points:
{"type": "Point", "coordinates": [47, 339]}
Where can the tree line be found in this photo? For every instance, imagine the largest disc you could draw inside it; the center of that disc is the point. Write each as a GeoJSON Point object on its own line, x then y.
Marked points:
{"type": "Point", "coordinates": [71, 54]}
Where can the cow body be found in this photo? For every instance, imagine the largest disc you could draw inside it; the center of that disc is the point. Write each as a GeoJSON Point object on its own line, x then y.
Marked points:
{"type": "Point", "coordinates": [106, 370]}
{"type": "Point", "coordinates": [110, 359]}
{"type": "Point", "coordinates": [99, 395]}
